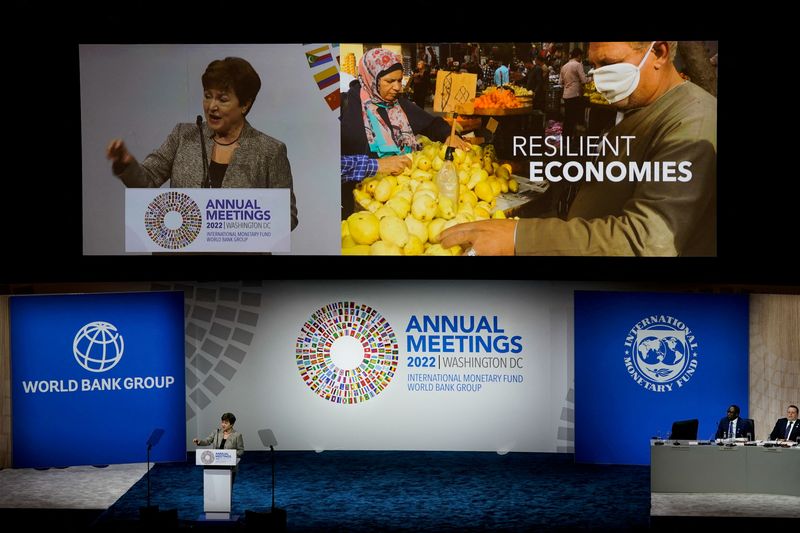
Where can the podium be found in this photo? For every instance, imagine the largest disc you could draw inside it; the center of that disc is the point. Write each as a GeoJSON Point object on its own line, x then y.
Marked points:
{"type": "Point", "coordinates": [217, 466]}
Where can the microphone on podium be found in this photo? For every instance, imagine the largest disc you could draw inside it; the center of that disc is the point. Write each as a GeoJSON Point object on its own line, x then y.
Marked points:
{"type": "Point", "coordinates": [206, 183]}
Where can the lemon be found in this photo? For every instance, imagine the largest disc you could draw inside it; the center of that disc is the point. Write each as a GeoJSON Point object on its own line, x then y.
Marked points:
{"type": "Point", "coordinates": [393, 231]}
{"type": "Point", "coordinates": [468, 197]}
{"type": "Point", "coordinates": [480, 213]}
{"type": "Point", "coordinates": [384, 248]}
{"type": "Point", "coordinates": [429, 151]}
{"type": "Point", "coordinates": [426, 192]}
{"type": "Point", "coordinates": [421, 175]}
{"type": "Point", "coordinates": [384, 211]}
{"type": "Point", "coordinates": [428, 186]}
{"type": "Point", "coordinates": [466, 209]}
{"type": "Point", "coordinates": [369, 184]}
{"type": "Point", "coordinates": [400, 187]}
{"type": "Point", "coordinates": [383, 190]}
{"type": "Point", "coordinates": [436, 249]}
{"type": "Point", "coordinates": [423, 163]}
{"type": "Point", "coordinates": [361, 196]}
{"type": "Point", "coordinates": [364, 227]}
{"type": "Point", "coordinates": [399, 205]}
{"type": "Point", "coordinates": [446, 208]}
{"type": "Point", "coordinates": [484, 191]}
{"type": "Point", "coordinates": [405, 194]}
{"type": "Point", "coordinates": [416, 228]}
{"type": "Point", "coordinates": [423, 207]}
{"type": "Point", "coordinates": [360, 249]}
{"type": "Point", "coordinates": [413, 246]}
{"type": "Point", "coordinates": [348, 242]}
{"type": "Point", "coordinates": [435, 229]}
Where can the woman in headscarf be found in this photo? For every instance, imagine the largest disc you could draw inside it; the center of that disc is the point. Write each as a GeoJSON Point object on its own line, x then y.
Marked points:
{"type": "Point", "coordinates": [378, 126]}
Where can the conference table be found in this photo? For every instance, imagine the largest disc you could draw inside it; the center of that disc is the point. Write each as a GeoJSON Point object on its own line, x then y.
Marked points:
{"type": "Point", "coordinates": [725, 469]}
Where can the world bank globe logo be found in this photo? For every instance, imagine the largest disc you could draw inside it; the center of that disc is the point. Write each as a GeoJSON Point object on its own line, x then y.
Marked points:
{"type": "Point", "coordinates": [346, 352]}
{"type": "Point", "coordinates": [172, 220]}
{"type": "Point", "coordinates": [98, 346]}
{"type": "Point", "coordinates": [661, 353]}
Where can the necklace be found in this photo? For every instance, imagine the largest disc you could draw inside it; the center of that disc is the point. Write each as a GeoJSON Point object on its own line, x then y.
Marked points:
{"type": "Point", "coordinates": [227, 144]}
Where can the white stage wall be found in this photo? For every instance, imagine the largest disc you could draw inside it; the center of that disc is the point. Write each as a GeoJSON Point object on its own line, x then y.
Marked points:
{"type": "Point", "coordinates": [241, 357]}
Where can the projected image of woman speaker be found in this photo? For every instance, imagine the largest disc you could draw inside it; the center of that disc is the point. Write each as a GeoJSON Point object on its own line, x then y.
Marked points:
{"type": "Point", "coordinates": [222, 150]}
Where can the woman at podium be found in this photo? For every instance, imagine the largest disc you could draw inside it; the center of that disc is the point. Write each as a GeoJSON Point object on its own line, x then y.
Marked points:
{"type": "Point", "coordinates": [236, 156]}
{"type": "Point", "coordinates": [225, 437]}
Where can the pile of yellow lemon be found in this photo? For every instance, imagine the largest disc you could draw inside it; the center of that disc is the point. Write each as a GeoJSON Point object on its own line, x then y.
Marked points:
{"type": "Point", "coordinates": [405, 215]}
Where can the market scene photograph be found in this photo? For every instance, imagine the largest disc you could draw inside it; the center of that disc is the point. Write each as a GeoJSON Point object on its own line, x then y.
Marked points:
{"type": "Point", "coordinates": [540, 148]}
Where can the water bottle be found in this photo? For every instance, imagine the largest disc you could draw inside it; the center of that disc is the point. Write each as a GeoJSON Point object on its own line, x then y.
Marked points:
{"type": "Point", "coordinates": [447, 178]}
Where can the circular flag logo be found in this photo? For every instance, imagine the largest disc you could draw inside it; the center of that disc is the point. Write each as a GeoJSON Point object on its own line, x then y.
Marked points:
{"type": "Point", "coordinates": [347, 352]}
{"type": "Point", "coordinates": [173, 220]}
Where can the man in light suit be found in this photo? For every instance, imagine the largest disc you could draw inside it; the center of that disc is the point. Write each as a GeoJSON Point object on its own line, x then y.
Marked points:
{"type": "Point", "coordinates": [733, 426]}
{"type": "Point", "coordinates": [787, 428]}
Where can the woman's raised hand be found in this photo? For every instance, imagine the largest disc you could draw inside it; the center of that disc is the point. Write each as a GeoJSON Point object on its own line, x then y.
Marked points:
{"type": "Point", "coordinates": [119, 155]}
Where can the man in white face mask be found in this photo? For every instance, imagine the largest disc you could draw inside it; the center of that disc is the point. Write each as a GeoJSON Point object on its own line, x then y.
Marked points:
{"type": "Point", "coordinates": [669, 121]}
{"type": "Point", "coordinates": [619, 79]}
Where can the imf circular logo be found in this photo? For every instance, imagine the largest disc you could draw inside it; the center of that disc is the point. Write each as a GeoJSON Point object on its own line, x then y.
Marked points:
{"type": "Point", "coordinates": [660, 353]}
{"type": "Point", "coordinates": [98, 346]}
{"type": "Point", "coordinates": [346, 352]}
{"type": "Point", "coordinates": [173, 220]}
{"type": "Point", "coordinates": [207, 457]}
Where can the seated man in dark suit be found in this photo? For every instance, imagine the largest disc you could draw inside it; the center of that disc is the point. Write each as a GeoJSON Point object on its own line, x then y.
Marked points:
{"type": "Point", "coordinates": [732, 426]}
{"type": "Point", "coordinates": [787, 428]}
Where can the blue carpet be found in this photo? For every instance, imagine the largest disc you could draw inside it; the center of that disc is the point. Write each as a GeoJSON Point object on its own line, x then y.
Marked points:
{"type": "Point", "coordinates": [412, 491]}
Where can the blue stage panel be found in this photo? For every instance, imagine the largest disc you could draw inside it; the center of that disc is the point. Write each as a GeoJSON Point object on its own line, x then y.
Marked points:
{"type": "Point", "coordinates": [645, 360]}
{"type": "Point", "coordinates": [93, 375]}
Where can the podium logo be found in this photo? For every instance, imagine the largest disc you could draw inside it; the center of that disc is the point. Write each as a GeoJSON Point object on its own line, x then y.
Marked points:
{"type": "Point", "coordinates": [98, 346]}
{"type": "Point", "coordinates": [207, 457]}
{"type": "Point", "coordinates": [346, 352]}
{"type": "Point", "coordinates": [660, 353]}
{"type": "Point", "coordinates": [173, 220]}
